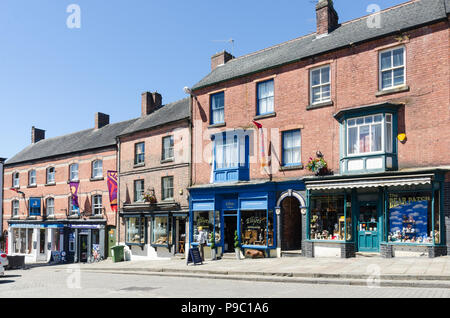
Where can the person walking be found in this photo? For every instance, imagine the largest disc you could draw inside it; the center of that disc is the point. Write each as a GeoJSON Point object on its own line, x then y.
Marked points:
{"type": "Point", "coordinates": [202, 242]}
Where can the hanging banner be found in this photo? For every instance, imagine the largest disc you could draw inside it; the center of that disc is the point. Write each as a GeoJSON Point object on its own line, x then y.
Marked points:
{"type": "Point", "coordinates": [264, 164]}
{"type": "Point", "coordinates": [112, 187]}
{"type": "Point", "coordinates": [74, 192]}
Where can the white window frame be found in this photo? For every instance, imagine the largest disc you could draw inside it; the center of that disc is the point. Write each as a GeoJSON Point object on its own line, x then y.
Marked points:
{"type": "Point", "coordinates": [47, 206]}
{"type": "Point", "coordinates": [97, 205]}
{"type": "Point", "coordinates": [139, 153]}
{"type": "Point", "coordinates": [72, 172]}
{"type": "Point", "coordinates": [32, 178]}
{"type": "Point", "coordinates": [383, 134]}
{"type": "Point", "coordinates": [321, 85]}
{"type": "Point", "coordinates": [97, 172]}
{"type": "Point", "coordinates": [392, 68]}
{"type": "Point", "coordinates": [51, 174]}
{"type": "Point", "coordinates": [166, 189]}
{"type": "Point", "coordinates": [16, 179]}
{"type": "Point", "coordinates": [15, 209]}
{"type": "Point", "coordinates": [292, 148]}
{"type": "Point", "coordinates": [136, 199]}
{"type": "Point", "coordinates": [267, 98]}
{"type": "Point", "coordinates": [168, 152]}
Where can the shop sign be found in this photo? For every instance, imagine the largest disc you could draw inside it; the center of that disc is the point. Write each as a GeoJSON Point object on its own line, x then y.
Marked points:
{"type": "Point", "coordinates": [35, 206]}
{"type": "Point", "coordinates": [230, 204]}
{"type": "Point", "coordinates": [85, 226]}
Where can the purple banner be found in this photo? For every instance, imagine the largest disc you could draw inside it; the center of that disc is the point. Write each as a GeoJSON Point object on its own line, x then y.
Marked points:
{"type": "Point", "coordinates": [112, 186]}
{"type": "Point", "coordinates": [74, 192]}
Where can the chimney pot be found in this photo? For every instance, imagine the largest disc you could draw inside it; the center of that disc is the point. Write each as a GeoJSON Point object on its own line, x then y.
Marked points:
{"type": "Point", "coordinates": [101, 120]}
{"type": "Point", "coordinates": [150, 103]}
{"type": "Point", "coordinates": [327, 17]}
{"type": "Point", "coordinates": [220, 59]}
{"type": "Point", "coordinates": [37, 135]}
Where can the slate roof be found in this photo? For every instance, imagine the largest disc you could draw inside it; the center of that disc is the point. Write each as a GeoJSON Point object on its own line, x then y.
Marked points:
{"type": "Point", "coordinates": [91, 139]}
{"type": "Point", "coordinates": [406, 16]}
{"type": "Point", "coordinates": [169, 113]}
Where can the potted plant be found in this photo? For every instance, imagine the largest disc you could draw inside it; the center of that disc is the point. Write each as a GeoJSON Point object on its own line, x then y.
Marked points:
{"type": "Point", "coordinates": [149, 196]}
{"type": "Point", "coordinates": [237, 247]}
{"type": "Point", "coordinates": [213, 246]}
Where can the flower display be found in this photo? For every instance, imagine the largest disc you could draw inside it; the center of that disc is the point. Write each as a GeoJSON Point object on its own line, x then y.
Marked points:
{"type": "Point", "coordinates": [318, 165]}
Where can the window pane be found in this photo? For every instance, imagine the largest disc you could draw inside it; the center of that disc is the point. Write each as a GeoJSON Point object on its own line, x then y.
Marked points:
{"type": "Point", "coordinates": [353, 140]}
{"type": "Point", "coordinates": [325, 75]}
{"type": "Point", "coordinates": [327, 218]}
{"type": "Point", "coordinates": [378, 118]}
{"type": "Point", "coordinates": [398, 57]}
{"type": "Point", "coordinates": [204, 220]}
{"type": "Point", "coordinates": [315, 77]}
{"type": "Point", "coordinates": [292, 147]}
{"type": "Point", "coordinates": [376, 137]}
{"type": "Point", "coordinates": [316, 95]}
{"type": "Point", "coordinates": [254, 228]}
{"type": "Point", "coordinates": [160, 226]}
{"type": "Point", "coordinates": [386, 61]}
{"type": "Point", "coordinates": [399, 77]}
{"type": "Point", "coordinates": [389, 140]}
{"type": "Point", "coordinates": [386, 79]}
{"type": "Point", "coordinates": [326, 92]}
{"type": "Point", "coordinates": [364, 139]}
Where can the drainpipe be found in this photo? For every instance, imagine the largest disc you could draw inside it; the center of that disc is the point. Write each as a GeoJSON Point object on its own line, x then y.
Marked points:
{"type": "Point", "coordinates": [278, 213]}
{"type": "Point", "coordinates": [118, 191]}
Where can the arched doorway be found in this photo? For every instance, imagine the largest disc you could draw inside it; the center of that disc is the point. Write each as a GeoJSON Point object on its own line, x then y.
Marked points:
{"type": "Point", "coordinates": [291, 224]}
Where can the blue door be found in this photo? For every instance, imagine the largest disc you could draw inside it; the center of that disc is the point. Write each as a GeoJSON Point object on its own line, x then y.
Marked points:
{"type": "Point", "coordinates": [369, 228]}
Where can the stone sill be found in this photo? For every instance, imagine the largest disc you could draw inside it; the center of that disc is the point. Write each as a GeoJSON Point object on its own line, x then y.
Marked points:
{"type": "Point", "coordinates": [393, 91]}
{"type": "Point", "coordinates": [139, 165]}
{"type": "Point", "coordinates": [50, 184]}
{"type": "Point", "coordinates": [167, 160]}
{"type": "Point", "coordinates": [96, 179]}
{"type": "Point", "coordinates": [264, 116]}
{"type": "Point", "coordinates": [319, 105]}
{"type": "Point", "coordinates": [217, 125]}
{"type": "Point", "coordinates": [288, 168]}
{"type": "Point", "coordinates": [31, 186]}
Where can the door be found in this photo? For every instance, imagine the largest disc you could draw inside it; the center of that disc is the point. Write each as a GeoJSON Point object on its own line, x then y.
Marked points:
{"type": "Point", "coordinates": [83, 248]}
{"type": "Point", "coordinates": [111, 240]}
{"type": "Point", "coordinates": [369, 228]}
{"type": "Point", "coordinates": [230, 227]}
{"type": "Point", "coordinates": [291, 222]}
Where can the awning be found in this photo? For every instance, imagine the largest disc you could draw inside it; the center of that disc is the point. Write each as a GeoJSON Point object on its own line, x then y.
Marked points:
{"type": "Point", "coordinates": [368, 182]}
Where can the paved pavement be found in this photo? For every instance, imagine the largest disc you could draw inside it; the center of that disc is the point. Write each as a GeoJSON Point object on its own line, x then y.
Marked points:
{"type": "Point", "coordinates": [74, 282]}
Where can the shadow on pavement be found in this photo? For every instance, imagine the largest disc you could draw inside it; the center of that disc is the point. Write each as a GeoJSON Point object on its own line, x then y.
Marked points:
{"type": "Point", "coordinates": [11, 276]}
{"type": "Point", "coordinates": [6, 281]}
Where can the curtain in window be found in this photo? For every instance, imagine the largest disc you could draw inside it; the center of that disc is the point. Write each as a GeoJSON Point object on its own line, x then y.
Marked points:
{"type": "Point", "coordinates": [227, 153]}
{"type": "Point", "coordinates": [217, 108]}
{"type": "Point", "coordinates": [265, 97]}
{"type": "Point", "coordinates": [291, 147]}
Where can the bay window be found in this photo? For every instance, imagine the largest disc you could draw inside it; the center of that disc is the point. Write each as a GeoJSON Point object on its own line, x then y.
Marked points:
{"type": "Point", "coordinates": [369, 134]}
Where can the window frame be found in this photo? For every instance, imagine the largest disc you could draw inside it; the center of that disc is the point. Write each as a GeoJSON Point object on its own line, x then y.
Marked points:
{"type": "Point", "coordinates": [212, 111]}
{"type": "Point", "coordinates": [170, 149]}
{"type": "Point", "coordinates": [95, 205]}
{"type": "Point", "coordinates": [384, 141]}
{"type": "Point", "coordinates": [164, 189]}
{"type": "Point", "coordinates": [139, 157]}
{"type": "Point", "coordinates": [258, 99]}
{"type": "Point", "coordinates": [48, 174]}
{"type": "Point", "coordinates": [47, 207]}
{"type": "Point", "coordinates": [321, 85]}
{"type": "Point", "coordinates": [135, 190]}
{"type": "Point", "coordinates": [16, 180]}
{"type": "Point", "coordinates": [71, 172]}
{"type": "Point", "coordinates": [30, 177]}
{"type": "Point", "coordinates": [94, 169]}
{"type": "Point", "coordinates": [283, 157]}
{"type": "Point", "coordinates": [13, 208]}
{"type": "Point", "coordinates": [391, 69]}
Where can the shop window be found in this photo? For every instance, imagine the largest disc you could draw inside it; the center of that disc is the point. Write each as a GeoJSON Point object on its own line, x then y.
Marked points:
{"type": "Point", "coordinates": [205, 220]}
{"type": "Point", "coordinates": [320, 85]}
{"type": "Point", "coordinates": [167, 148]}
{"type": "Point", "coordinates": [161, 231]}
{"type": "Point", "coordinates": [139, 190]}
{"type": "Point", "coordinates": [330, 218]}
{"type": "Point", "coordinates": [410, 218]}
{"type": "Point", "coordinates": [218, 108]}
{"type": "Point", "coordinates": [32, 178]}
{"type": "Point", "coordinates": [135, 233]}
{"type": "Point", "coordinates": [139, 153]}
{"type": "Point", "coordinates": [22, 240]}
{"type": "Point", "coordinates": [95, 237]}
{"type": "Point", "coordinates": [257, 228]}
{"type": "Point", "coordinates": [265, 97]}
{"type": "Point", "coordinates": [51, 175]}
{"type": "Point", "coordinates": [73, 172]}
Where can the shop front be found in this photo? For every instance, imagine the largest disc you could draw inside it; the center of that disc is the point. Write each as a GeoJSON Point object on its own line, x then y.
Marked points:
{"type": "Point", "coordinates": [86, 242]}
{"type": "Point", "coordinates": [156, 232]}
{"type": "Point", "coordinates": [247, 212]}
{"type": "Point", "coordinates": [392, 214]}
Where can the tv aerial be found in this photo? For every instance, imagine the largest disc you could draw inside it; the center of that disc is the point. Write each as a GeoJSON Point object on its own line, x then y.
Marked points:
{"type": "Point", "coordinates": [231, 41]}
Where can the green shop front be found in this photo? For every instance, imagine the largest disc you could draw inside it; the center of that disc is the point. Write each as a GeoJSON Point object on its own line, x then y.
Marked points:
{"type": "Point", "coordinates": [392, 214]}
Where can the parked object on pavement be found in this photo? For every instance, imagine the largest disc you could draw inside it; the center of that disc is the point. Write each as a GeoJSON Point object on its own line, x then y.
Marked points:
{"type": "Point", "coordinates": [254, 254]}
{"type": "Point", "coordinates": [17, 261]}
{"type": "Point", "coordinates": [3, 263]}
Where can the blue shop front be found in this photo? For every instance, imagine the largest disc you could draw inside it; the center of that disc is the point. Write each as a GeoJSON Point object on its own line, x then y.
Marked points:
{"type": "Point", "coordinates": [253, 213]}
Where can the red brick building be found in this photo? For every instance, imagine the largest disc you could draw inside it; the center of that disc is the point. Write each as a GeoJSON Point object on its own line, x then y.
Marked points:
{"type": "Point", "coordinates": [154, 174]}
{"type": "Point", "coordinates": [371, 98]}
{"type": "Point", "coordinates": [39, 214]}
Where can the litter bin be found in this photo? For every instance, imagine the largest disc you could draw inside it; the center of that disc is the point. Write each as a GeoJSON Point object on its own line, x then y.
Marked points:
{"type": "Point", "coordinates": [117, 253]}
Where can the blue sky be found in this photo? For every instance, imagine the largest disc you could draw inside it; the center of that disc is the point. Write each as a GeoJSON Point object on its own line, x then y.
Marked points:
{"type": "Point", "coordinates": [56, 78]}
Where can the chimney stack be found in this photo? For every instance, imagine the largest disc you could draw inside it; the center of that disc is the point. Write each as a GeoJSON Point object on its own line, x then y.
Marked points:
{"type": "Point", "coordinates": [220, 59]}
{"type": "Point", "coordinates": [101, 120]}
{"type": "Point", "coordinates": [327, 17]}
{"type": "Point", "coordinates": [150, 103]}
{"type": "Point", "coordinates": [37, 135]}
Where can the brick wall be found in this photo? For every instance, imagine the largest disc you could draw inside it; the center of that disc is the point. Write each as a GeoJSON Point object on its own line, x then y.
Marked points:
{"type": "Point", "coordinates": [60, 191]}
{"type": "Point", "coordinates": [354, 82]}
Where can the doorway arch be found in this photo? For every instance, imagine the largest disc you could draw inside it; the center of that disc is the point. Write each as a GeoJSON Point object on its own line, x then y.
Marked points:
{"type": "Point", "coordinates": [291, 204]}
